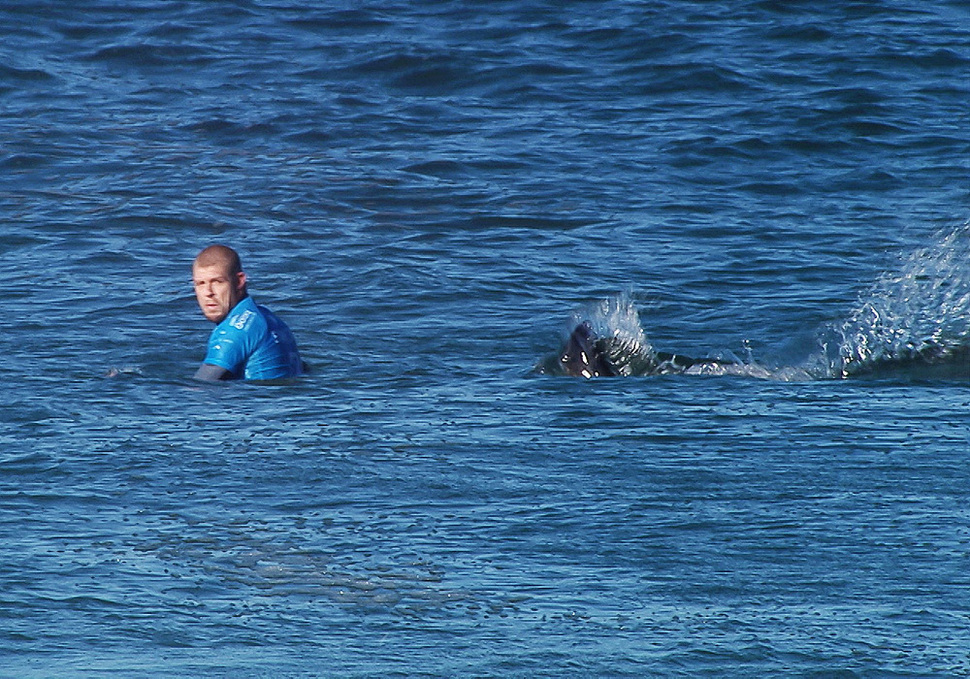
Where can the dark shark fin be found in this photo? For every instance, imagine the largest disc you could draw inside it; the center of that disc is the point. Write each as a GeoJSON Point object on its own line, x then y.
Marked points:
{"type": "Point", "coordinates": [585, 355]}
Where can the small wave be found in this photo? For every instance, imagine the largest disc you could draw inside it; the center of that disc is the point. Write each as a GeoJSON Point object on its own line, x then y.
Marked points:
{"type": "Point", "coordinates": [416, 70]}
{"type": "Point", "coordinates": [143, 54]}
{"type": "Point", "coordinates": [12, 74]}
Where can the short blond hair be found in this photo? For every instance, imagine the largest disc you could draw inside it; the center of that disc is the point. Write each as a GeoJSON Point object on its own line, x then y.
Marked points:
{"type": "Point", "coordinates": [222, 255]}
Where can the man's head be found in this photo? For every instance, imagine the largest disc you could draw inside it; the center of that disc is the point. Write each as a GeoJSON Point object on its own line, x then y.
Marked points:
{"type": "Point", "coordinates": [220, 283]}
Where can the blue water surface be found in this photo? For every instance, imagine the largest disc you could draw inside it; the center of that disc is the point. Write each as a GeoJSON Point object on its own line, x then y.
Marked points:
{"type": "Point", "coordinates": [430, 195]}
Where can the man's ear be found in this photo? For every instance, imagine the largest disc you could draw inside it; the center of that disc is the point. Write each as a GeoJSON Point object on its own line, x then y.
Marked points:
{"type": "Point", "coordinates": [241, 280]}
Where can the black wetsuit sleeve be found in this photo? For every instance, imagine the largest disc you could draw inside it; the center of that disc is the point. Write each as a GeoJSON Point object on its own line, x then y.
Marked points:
{"type": "Point", "coordinates": [212, 373]}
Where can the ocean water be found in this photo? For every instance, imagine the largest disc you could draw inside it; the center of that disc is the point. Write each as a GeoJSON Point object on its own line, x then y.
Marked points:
{"type": "Point", "coordinates": [431, 194]}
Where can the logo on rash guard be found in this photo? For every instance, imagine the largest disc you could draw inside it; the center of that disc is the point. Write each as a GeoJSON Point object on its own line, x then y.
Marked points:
{"type": "Point", "coordinates": [240, 322]}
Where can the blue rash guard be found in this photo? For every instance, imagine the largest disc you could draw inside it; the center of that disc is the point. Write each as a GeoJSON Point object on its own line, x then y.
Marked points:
{"type": "Point", "coordinates": [253, 344]}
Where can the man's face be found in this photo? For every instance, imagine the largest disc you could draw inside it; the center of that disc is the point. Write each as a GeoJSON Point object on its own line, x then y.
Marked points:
{"type": "Point", "coordinates": [217, 291]}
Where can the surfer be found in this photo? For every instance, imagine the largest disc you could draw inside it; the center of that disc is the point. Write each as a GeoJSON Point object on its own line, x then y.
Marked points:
{"type": "Point", "coordinates": [249, 341]}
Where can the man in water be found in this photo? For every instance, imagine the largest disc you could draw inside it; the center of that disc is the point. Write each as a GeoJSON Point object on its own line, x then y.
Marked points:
{"type": "Point", "coordinates": [249, 341]}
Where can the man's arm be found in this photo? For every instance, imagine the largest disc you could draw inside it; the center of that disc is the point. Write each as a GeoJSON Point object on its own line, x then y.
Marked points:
{"type": "Point", "coordinates": [212, 373]}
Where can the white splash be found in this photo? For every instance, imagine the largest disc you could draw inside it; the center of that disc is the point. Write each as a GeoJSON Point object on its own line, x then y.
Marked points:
{"type": "Point", "coordinates": [921, 312]}
{"type": "Point", "coordinates": [618, 320]}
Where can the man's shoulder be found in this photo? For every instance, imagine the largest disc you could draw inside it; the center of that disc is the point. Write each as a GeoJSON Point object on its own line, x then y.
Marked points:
{"type": "Point", "coordinates": [245, 317]}
{"type": "Point", "coordinates": [269, 316]}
